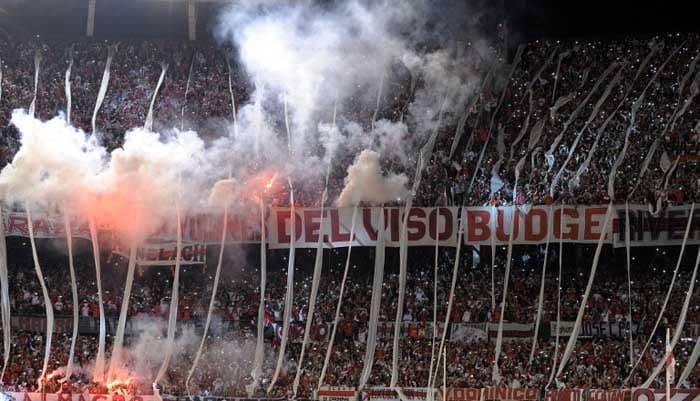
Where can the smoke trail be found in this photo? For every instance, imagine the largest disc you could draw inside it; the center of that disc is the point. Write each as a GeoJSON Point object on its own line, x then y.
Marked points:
{"type": "Point", "coordinates": [174, 300]}
{"type": "Point", "coordinates": [233, 98]}
{"type": "Point", "coordinates": [4, 290]}
{"type": "Point", "coordinates": [47, 300]}
{"type": "Point", "coordinates": [149, 117]}
{"type": "Point", "coordinates": [212, 301]}
{"type": "Point", "coordinates": [74, 292]}
{"type": "Point", "coordinates": [68, 96]}
{"type": "Point", "coordinates": [37, 65]}
{"type": "Point", "coordinates": [379, 99]}
{"type": "Point", "coordinates": [99, 370]}
{"type": "Point", "coordinates": [117, 358]}
{"type": "Point", "coordinates": [331, 340]}
{"type": "Point", "coordinates": [103, 87]}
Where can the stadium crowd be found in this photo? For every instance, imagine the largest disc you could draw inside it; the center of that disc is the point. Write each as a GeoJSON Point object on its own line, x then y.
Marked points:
{"type": "Point", "coordinates": [560, 120]}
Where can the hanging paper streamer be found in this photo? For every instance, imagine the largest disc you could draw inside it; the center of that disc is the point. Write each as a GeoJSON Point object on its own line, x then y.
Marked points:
{"type": "Point", "coordinates": [668, 293]}
{"type": "Point", "coordinates": [375, 305]}
{"type": "Point", "coordinates": [37, 65]}
{"type": "Point", "coordinates": [47, 301]}
{"type": "Point", "coordinates": [424, 155]}
{"type": "Point", "coordinates": [4, 294]}
{"type": "Point", "coordinates": [573, 338]}
{"type": "Point", "coordinates": [233, 98]}
{"type": "Point", "coordinates": [540, 299]}
{"type": "Point", "coordinates": [0, 78]}
{"type": "Point", "coordinates": [174, 302]}
{"type": "Point", "coordinates": [430, 395]}
{"type": "Point", "coordinates": [495, 374]}
{"type": "Point", "coordinates": [116, 360]}
{"type": "Point", "coordinates": [331, 340]}
{"type": "Point", "coordinates": [74, 293]}
{"type": "Point", "coordinates": [256, 372]}
{"type": "Point", "coordinates": [149, 117]}
{"type": "Point", "coordinates": [692, 363]}
{"type": "Point", "coordinates": [552, 148]}
{"type": "Point", "coordinates": [679, 326]}
{"type": "Point", "coordinates": [516, 61]}
{"type": "Point", "coordinates": [629, 278]}
{"type": "Point", "coordinates": [103, 87]}
{"type": "Point", "coordinates": [187, 91]}
{"type": "Point", "coordinates": [379, 100]}
{"type": "Point", "coordinates": [67, 86]}
{"type": "Point", "coordinates": [463, 120]}
{"type": "Point", "coordinates": [655, 144]}
{"type": "Point", "coordinates": [318, 268]}
{"type": "Point", "coordinates": [455, 269]}
{"type": "Point", "coordinates": [99, 370]}
{"type": "Point", "coordinates": [492, 227]}
{"type": "Point", "coordinates": [556, 335]}
{"type": "Point", "coordinates": [212, 300]}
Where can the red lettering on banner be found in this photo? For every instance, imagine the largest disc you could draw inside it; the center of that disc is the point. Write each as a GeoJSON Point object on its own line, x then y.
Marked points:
{"type": "Point", "coordinates": [416, 228]}
{"type": "Point", "coordinates": [433, 223]}
{"type": "Point", "coordinates": [336, 235]}
{"type": "Point", "coordinates": [478, 225]}
{"type": "Point", "coordinates": [590, 223]}
{"type": "Point", "coordinates": [63, 396]}
{"type": "Point", "coordinates": [81, 398]}
{"type": "Point", "coordinates": [572, 232]}
{"type": "Point", "coordinates": [395, 224]}
{"type": "Point", "coordinates": [530, 235]}
{"type": "Point", "coordinates": [367, 223]}
{"type": "Point", "coordinates": [645, 392]}
{"type": "Point", "coordinates": [18, 223]}
{"type": "Point", "coordinates": [26, 397]}
{"type": "Point", "coordinates": [118, 397]}
{"type": "Point", "coordinates": [282, 217]}
{"type": "Point", "coordinates": [312, 225]}
{"type": "Point", "coordinates": [512, 227]}
{"type": "Point", "coordinates": [137, 398]}
{"type": "Point", "coordinates": [98, 397]}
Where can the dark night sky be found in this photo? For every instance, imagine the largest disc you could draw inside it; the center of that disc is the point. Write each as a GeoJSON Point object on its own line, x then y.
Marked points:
{"type": "Point", "coordinates": [529, 19]}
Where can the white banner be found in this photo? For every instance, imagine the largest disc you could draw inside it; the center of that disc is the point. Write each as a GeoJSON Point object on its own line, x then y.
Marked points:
{"type": "Point", "coordinates": [596, 329]}
{"type": "Point", "coordinates": [25, 396]}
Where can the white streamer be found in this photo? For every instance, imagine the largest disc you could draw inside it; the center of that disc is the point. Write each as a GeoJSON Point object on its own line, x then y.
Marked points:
{"type": "Point", "coordinates": [430, 393]}
{"type": "Point", "coordinates": [455, 270]}
{"type": "Point", "coordinates": [692, 363]}
{"type": "Point", "coordinates": [47, 301]}
{"type": "Point", "coordinates": [74, 292]}
{"type": "Point", "coordinates": [679, 325]}
{"type": "Point", "coordinates": [115, 361]}
{"type": "Point", "coordinates": [187, 90]}
{"type": "Point", "coordinates": [331, 340]}
{"type": "Point", "coordinates": [573, 338]}
{"type": "Point", "coordinates": [556, 76]}
{"type": "Point", "coordinates": [37, 65]}
{"type": "Point", "coordinates": [556, 334]}
{"type": "Point", "coordinates": [540, 301]}
{"type": "Point", "coordinates": [668, 293]}
{"type": "Point", "coordinates": [4, 293]}
{"type": "Point", "coordinates": [148, 125]}
{"type": "Point", "coordinates": [103, 87]}
{"type": "Point", "coordinates": [378, 280]}
{"type": "Point", "coordinates": [67, 88]}
{"type": "Point", "coordinates": [495, 374]}
{"type": "Point", "coordinates": [516, 61]}
{"type": "Point", "coordinates": [99, 370]}
{"type": "Point", "coordinates": [628, 232]}
{"type": "Point", "coordinates": [212, 301]}
{"type": "Point", "coordinates": [174, 302]}
{"type": "Point", "coordinates": [256, 372]}
{"type": "Point", "coordinates": [318, 269]}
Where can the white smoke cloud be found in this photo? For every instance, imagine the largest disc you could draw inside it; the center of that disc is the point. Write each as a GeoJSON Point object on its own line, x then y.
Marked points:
{"type": "Point", "coordinates": [365, 182]}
